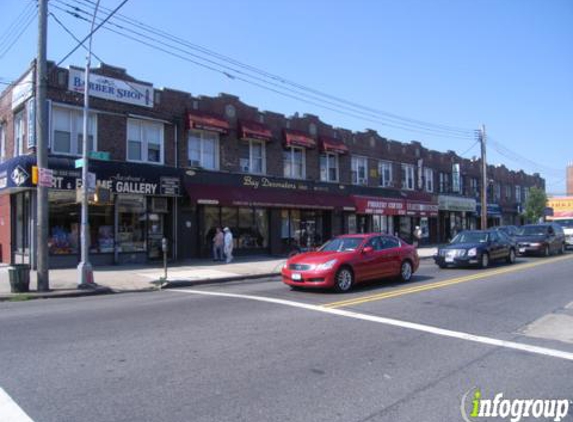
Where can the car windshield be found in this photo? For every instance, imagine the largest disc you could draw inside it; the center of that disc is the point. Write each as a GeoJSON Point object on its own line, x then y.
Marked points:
{"type": "Point", "coordinates": [470, 237]}
{"type": "Point", "coordinates": [565, 223]}
{"type": "Point", "coordinates": [533, 230]}
{"type": "Point", "coordinates": [341, 244]}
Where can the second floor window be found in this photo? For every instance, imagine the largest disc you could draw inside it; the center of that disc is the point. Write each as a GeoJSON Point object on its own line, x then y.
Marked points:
{"type": "Point", "coordinates": [359, 170]}
{"type": "Point", "coordinates": [497, 191]}
{"type": "Point", "coordinates": [68, 128]}
{"type": "Point", "coordinates": [429, 179]}
{"type": "Point", "coordinates": [444, 182]}
{"type": "Point", "coordinates": [252, 157]}
{"type": "Point", "coordinates": [2, 142]}
{"type": "Point", "coordinates": [407, 177]}
{"type": "Point", "coordinates": [329, 167]}
{"type": "Point", "coordinates": [508, 192]}
{"type": "Point", "coordinates": [19, 124]}
{"type": "Point", "coordinates": [474, 187]}
{"type": "Point", "coordinates": [385, 173]}
{"type": "Point", "coordinates": [518, 194]}
{"type": "Point", "coordinates": [144, 141]}
{"type": "Point", "coordinates": [294, 164]}
{"type": "Point", "coordinates": [203, 149]}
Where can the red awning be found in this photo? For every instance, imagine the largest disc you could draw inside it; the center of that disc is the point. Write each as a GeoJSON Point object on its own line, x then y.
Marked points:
{"type": "Point", "coordinates": [294, 138]}
{"type": "Point", "coordinates": [421, 208]}
{"type": "Point", "coordinates": [379, 205]}
{"type": "Point", "coordinates": [265, 198]}
{"type": "Point", "coordinates": [206, 121]}
{"type": "Point", "coordinates": [254, 130]}
{"type": "Point", "coordinates": [333, 145]}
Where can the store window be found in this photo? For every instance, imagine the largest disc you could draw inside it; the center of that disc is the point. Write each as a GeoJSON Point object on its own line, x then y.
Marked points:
{"type": "Point", "coordinates": [22, 227]}
{"type": "Point", "coordinates": [294, 163]}
{"type": "Point", "coordinates": [252, 156]}
{"type": "Point", "coordinates": [382, 224]}
{"type": "Point", "coordinates": [67, 132]}
{"type": "Point", "coordinates": [64, 223]}
{"type": "Point", "coordinates": [19, 133]}
{"type": "Point", "coordinates": [385, 173]}
{"type": "Point", "coordinates": [144, 141]}
{"type": "Point", "coordinates": [301, 229]}
{"type": "Point", "coordinates": [329, 167]}
{"type": "Point", "coordinates": [429, 179]}
{"type": "Point", "coordinates": [132, 217]}
{"type": "Point", "coordinates": [407, 177]}
{"type": "Point", "coordinates": [203, 149]}
{"type": "Point", "coordinates": [359, 170]}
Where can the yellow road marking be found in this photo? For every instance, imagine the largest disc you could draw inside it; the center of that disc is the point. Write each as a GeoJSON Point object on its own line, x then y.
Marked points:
{"type": "Point", "coordinates": [440, 284]}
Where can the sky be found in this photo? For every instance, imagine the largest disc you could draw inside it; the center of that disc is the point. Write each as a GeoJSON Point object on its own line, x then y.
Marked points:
{"type": "Point", "coordinates": [451, 64]}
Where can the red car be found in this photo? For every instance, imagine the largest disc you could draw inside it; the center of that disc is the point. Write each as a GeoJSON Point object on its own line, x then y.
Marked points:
{"type": "Point", "coordinates": [351, 259]}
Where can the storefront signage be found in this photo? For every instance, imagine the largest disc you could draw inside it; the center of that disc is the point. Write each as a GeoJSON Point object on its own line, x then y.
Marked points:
{"type": "Point", "coordinates": [454, 203]}
{"type": "Point", "coordinates": [383, 206]}
{"type": "Point", "coordinates": [19, 176]}
{"type": "Point", "coordinates": [112, 89]}
{"type": "Point", "coordinates": [265, 182]}
{"type": "Point", "coordinates": [31, 133]}
{"type": "Point", "coordinates": [493, 210]}
{"type": "Point", "coordinates": [424, 209]}
{"type": "Point", "coordinates": [169, 186]}
{"type": "Point", "coordinates": [45, 177]}
{"type": "Point", "coordinates": [3, 179]}
{"type": "Point", "coordinates": [562, 207]}
{"type": "Point", "coordinates": [23, 90]}
{"type": "Point", "coordinates": [99, 155]}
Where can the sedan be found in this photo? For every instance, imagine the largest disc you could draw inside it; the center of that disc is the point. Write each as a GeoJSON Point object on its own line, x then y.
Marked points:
{"type": "Point", "coordinates": [476, 247]}
{"type": "Point", "coordinates": [352, 259]}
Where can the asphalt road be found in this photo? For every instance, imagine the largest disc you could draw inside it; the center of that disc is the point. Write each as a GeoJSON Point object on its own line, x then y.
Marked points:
{"type": "Point", "coordinates": [258, 351]}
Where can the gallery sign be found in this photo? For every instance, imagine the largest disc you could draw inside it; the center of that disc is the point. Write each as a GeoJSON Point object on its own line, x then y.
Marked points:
{"type": "Point", "coordinates": [112, 89]}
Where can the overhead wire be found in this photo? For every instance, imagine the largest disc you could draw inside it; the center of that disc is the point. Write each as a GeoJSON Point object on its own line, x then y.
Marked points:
{"type": "Point", "coordinates": [234, 73]}
{"type": "Point", "coordinates": [16, 23]}
{"type": "Point", "coordinates": [9, 42]}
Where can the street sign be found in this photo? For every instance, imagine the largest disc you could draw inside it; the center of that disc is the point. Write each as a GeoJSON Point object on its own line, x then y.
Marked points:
{"type": "Point", "coordinates": [45, 177]}
{"type": "Point", "coordinates": [99, 155]}
{"type": "Point", "coordinates": [79, 163]}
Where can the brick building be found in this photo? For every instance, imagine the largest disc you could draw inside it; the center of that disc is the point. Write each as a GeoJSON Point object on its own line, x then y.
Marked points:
{"type": "Point", "coordinates": [179, 165]}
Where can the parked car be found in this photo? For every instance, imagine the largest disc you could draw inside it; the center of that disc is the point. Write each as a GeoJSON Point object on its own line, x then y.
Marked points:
{"type": "Point", "coordinates": [541, 239]}
{"type": "Point", "coordinates": [476, 247]}
{"type": "Point", "coordinates": [511, 231]}
{"type": "Point", "coordinates": [352, 259]}
{"type": "Point", "coordinates": [567, 226]}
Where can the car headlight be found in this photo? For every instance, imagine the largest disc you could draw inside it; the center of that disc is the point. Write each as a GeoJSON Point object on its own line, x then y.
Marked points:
{"type": "Point", "coordinates": [326, 265]}
{"type": "Point", "coordinates": [472, 252]}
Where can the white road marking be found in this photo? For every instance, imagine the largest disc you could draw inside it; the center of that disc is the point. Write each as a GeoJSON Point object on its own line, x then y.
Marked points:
{"type": "Point", "coordinates": [394, 322]}
{"type": "Point", "coordinates": [10, 411]}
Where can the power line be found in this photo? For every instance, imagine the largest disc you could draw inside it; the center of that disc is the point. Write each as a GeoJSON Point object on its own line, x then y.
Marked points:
{"type": "Point", "coordinates": [518, 158]}
{"type": "Point", "coordinates": [247, 78]}
{"type": "Point", "coordinates": [72, 35]}
{"type": "Point", "coordinates": [9, 44]}
{"type": "Point", "coordinates": [470, 148]}
{"type": "Point", "coordinates": [16, 23]}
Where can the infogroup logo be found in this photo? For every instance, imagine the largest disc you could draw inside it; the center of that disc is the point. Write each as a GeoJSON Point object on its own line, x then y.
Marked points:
{"type": "Point", "coordinates": [511, 409]}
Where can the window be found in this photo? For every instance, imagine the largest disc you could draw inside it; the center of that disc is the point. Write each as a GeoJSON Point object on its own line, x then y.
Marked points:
{"type": "Point", "coordinates": [329, 167]}
{"type": "Point", "coordinates": [67, 132]}
{"type": "Point", "coordinates": [252, 157]}
{"type": "Point", "coordinates": [385, 173]}
{"type": "Point", "coordinates": [2, 142]}
{"type": "Point", "coordinates": [407, 177]}
{"type": "Point", "coordinates": [518, 194]}
{"type": "Point", "coordinates": [497, 191]}
{"type": "Point", "coordinates": [294, 163]}
{"type": "Point", "coordinates": [203, 149]}
{"type": "Point", "coordinates": [144, 141]}
{"type": "Point", "coordinates": [444, 182]}
{"type": "Point", "coordinates": [474, 187]}
{"type": "Point", "coordinates": [508, 192]}
{"type": "Point", "coordinates": [359, 170]}
{"type": "Point", "coordinates": [429, 179]}
{"type": "Point", "coordinates": [19, 124]}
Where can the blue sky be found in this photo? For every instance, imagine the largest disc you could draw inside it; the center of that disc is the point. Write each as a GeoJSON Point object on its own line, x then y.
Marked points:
{"type": "Point", "coordinates": [506, 64]}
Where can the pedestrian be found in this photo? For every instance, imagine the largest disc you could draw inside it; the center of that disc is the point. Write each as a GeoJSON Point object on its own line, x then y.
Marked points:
{"type": "Point", "coordinates": [417, 235]}
{"type": "Point", "coordinates": [218, 244]}
{"type": "Point", "coordinates": [228, 247]}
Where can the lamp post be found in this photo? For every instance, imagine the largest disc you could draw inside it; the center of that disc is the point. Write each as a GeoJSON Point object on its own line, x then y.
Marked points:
{"type": "Point", "coordinates": [86, 279]}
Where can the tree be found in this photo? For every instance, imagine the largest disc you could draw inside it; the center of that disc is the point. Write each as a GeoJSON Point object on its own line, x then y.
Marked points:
{"type": "Point", "coordinates": [536, 203]}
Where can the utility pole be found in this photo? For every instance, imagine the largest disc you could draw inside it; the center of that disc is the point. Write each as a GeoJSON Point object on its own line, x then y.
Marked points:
{"type": "Point", "coordinates": [482, 139]}
{"type": "Point", "coordinates": [42, 148]}
{"type": "Point", "coordinates": [85, 270]}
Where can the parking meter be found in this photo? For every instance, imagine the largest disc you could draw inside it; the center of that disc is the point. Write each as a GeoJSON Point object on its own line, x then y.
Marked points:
{"type": "Point", "coordinates": [164, 249]}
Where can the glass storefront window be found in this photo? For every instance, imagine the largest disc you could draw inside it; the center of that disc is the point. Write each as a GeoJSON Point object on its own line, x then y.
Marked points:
{"type": "Point", "coordinates": [64, 219]}
{"type": "Point", "coordinates": [131, 223]}
{"type": "Point", "coordinates": [250, 226]}
{"type": "Point", "coordinates": [101, 228]}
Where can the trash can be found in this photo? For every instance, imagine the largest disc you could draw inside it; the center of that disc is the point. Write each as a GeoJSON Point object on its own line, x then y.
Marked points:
{"type": "Point", "coordinates": [19, 275]}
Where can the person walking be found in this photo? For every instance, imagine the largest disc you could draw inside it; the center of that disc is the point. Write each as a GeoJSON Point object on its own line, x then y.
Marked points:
{"type": "Point", "coordinates": [218, 244]}
{"type": "Point", "coordinates": [417, 236]}
{"type": "Point", "coordinates": [228, 247]}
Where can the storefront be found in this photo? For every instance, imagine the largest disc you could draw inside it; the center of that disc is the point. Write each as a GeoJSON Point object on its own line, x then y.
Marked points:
{"type": "Point", "coordinates": [375, 214]}
{"type": "Point", "coordinates": [493, 215]}
{"type": "Point", "coordinates": [266, 215]}
{"type": "Point", "coordinates": [455, 214]}
{"type": "Point", "coordinates": [132, 207]}
{"type": "Point", "coordinates": [422, 213]}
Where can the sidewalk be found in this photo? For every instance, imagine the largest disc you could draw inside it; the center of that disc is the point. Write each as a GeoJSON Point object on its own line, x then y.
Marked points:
{"type": "Point", "coordinates": [141, 278]}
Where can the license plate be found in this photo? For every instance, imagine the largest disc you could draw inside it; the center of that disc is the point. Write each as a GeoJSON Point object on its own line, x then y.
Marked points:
{"type": "Point", "coordinates": [521, 250]}
{"type": "Point", "coordinates": [449, 259]}
{"type": "Point", "coordinates": [296, 276]}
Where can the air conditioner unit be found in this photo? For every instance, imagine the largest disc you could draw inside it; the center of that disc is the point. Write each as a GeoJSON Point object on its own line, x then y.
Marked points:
{"type": "Point", "coordinates": [159, 205]}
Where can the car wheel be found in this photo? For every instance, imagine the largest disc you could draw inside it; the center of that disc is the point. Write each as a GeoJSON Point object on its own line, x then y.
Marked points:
{"type": "Point", "coordinates": [406, 271]}
{"type": "Point", "coordinates": [484, 263]}
{"type": "Point", "coordinates": [344, 280]}
{"type": "Point", "coordinates": [511, 257]}
{"type": "Point", "coordinates": [546, 251]}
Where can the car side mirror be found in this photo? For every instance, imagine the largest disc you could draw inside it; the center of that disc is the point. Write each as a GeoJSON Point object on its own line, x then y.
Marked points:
{"type": "Point", "coordinates": [367, 249]}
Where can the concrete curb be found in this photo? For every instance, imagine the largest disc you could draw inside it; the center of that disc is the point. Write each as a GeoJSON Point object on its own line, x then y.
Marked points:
{"type": "Point", "coordinates": [190, 283]}
{"type": "Point", "coordinates": [55, 294]}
